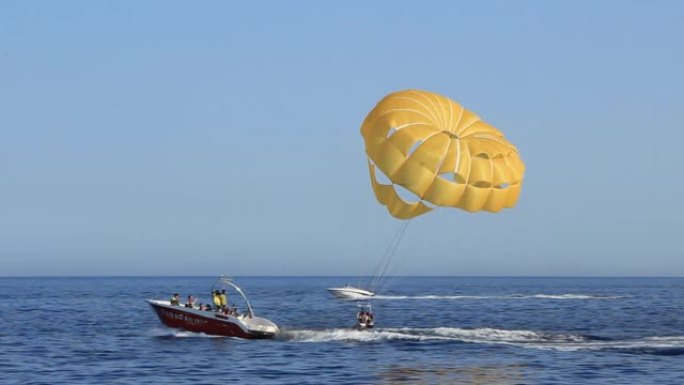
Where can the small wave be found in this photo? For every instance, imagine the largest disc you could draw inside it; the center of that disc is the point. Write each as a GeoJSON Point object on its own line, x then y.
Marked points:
{"type": "Point", "coordinates": [511, 296]}
{"type": "Point", "coordinates": [669, 346]}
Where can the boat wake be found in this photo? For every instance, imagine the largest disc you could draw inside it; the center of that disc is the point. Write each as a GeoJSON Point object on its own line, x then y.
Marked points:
{"type": "Point", "coordinates": [511, 296]}
{"type": "Point", "coordinates": [663, 346]}
{"type": "Point", "coordinates": [522, 338]}
{"type": "Point", "coordinates": [178, 333]}
{"type": "Point", "coordinates": [570, 296]}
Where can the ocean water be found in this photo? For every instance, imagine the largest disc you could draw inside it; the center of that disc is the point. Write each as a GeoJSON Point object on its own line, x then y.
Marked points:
{"type": "Point", "coordinates": [428, 331]}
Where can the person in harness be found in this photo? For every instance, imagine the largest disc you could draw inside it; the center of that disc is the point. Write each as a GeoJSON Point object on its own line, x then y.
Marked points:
{"type": "Point", "coordinates": [364, 317]}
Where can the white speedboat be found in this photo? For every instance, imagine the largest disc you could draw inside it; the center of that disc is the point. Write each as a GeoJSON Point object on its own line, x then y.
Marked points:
{"type": "Point", "coordinates": [350, 292]}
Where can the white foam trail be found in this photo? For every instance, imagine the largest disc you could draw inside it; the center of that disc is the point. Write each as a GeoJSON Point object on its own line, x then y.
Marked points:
{"type": "Point", "coordinates": [647, 343]}
{"type": "Point", "coordinates": [438, 297]}
{"type": "Point", "coordinates": [511, 296]}
{"type": "Point", "coordinates": [570, 296]}
{"type": "Point", "coordinates": [423, 334]}
{"type": "Point", "coordinates": [348, 335]}
{"type": "Point", "coordinates": [178, 333]}
{"type": "Point", "coordinates": [520, 338]}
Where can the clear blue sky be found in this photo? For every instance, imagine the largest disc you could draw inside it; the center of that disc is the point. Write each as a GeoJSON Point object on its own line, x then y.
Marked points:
{"type": "Point", "coordinates": [223, 137]}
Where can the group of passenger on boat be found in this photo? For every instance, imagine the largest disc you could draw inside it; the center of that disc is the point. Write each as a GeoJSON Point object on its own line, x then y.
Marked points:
{"type": "Point", "coordinates": [220, 300]}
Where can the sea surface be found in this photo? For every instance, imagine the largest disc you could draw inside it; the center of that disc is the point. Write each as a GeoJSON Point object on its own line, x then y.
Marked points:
{"type": "Point", "coordinates": [428, 331]}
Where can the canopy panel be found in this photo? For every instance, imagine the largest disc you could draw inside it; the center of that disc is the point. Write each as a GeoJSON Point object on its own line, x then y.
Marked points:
{"type": "Point", "coordinates": [442, 153]}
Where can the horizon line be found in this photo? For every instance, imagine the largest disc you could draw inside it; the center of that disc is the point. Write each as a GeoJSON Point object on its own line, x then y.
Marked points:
{"type": "Point", "coordinates": [341, 276]}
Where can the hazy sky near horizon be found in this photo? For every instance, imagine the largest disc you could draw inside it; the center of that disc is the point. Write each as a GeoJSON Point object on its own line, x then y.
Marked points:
{"type": "Point", "coordinates": [173, 138]}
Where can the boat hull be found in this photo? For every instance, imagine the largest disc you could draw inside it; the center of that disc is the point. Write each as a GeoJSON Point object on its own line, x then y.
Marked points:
{"type": "Point", "coordinates": [206, 322]}
{"type": "Point", "coordinates": [350, 292]}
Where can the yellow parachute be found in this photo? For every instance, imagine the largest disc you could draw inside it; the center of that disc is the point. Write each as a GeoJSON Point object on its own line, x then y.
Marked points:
{"type": "Point", "coordinates": [442, 153]}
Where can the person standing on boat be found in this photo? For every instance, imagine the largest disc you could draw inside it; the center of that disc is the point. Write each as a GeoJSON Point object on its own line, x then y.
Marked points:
{"type": "Point", "coordinates": [175, 300]}
{"type": "Point", "coordinates": [223, 298]}
{"type": "Point", "coordinates": [217, 299]}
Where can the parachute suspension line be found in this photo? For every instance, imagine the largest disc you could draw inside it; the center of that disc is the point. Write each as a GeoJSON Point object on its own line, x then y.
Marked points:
{"type": "Point", "coordinates": [382, 276]}
{"type": "Point", "coordinates": [394, 251]}
{"type": "Point", "coordinates": [395, 277]}
{"type": "Point", "coordinates": [372, 280]}
{"type": "Point", "coordinates": [378, 267]}
{"type": "Point", "coordinates": [386, 261]}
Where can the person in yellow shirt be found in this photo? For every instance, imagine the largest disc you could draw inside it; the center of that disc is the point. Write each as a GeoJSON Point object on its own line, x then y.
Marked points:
{"type": "Point", "coordinates": [224, 299]}
{"type": "Point", "coordinates": [217, 299]}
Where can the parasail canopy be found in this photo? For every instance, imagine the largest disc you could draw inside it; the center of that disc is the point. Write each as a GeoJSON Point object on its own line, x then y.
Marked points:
{"type": "Point", "coordinates": [441, 153]}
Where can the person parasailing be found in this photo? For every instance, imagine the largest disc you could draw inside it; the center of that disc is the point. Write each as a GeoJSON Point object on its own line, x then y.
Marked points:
{"type": "Point", "coordinates": [364, 317]}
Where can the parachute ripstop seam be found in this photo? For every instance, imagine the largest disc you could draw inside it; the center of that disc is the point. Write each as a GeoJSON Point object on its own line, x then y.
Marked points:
{"type": "Point", "coordinates": [434, 118]}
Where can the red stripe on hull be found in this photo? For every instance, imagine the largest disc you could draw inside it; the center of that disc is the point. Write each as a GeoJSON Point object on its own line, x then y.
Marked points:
{"type": "Point", "coordinates": [177, 318]}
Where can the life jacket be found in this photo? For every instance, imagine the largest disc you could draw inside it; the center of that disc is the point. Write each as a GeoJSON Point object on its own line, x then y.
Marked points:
{"type": "Point", "coordinates": [217, 300]}
{"type": "Point", "coordinates": [224, 299]}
